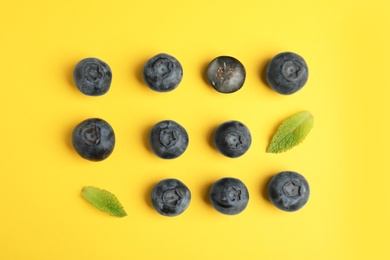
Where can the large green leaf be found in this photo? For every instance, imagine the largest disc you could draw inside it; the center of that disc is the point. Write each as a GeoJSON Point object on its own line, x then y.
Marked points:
{"type": "Point", "coordinates": [103, 200]}
{"type": "Point", "coordinates": [291, 132]}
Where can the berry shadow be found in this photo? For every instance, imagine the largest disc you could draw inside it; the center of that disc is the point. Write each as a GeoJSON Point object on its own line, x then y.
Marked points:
{"type": "Point", "coordinates": [203, 70]}
{"type": "Point", "coordinates": [264, 188]}
{"type": "Point", "coordinates": [263, 71]}
{"type": "Point", "coordinates": [147, 194]}
{"type": "Point", "coordinates": [210, 137]}
{"type": "Point", "coordinates": [69, 76]}
{"type": "Point", "coordinates": [146, 138]}
{"type": "Point", "coordinates": [139, 73]}
{"type": "Point", "coordinates": [68, 138]}
{"type": "Point", "coordinates": [206, 193]}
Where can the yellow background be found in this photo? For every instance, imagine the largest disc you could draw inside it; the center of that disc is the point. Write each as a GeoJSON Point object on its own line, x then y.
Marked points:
{"type": "Point", "coordinates": [346, 46]}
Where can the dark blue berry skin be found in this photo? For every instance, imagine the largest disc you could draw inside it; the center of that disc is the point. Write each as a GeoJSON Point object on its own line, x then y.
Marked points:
{"type": "Point", "coordinates": [229, 196]}
{"type": "Point", "coordinates": [162, 73]}
{"type": "Point", "coordinates": [287, 73]}
{"type": "Point", "coordinates": [168, 139]}
{"type": "Point", "coordinates": [93, 139]}
{"type": "Point", "coordinates": [226, 74]}
{"type": "Point", "coordinates": [170, 197]}
{"type": "Point", "coordinates": [288, 191]}
{"type": "Point", "coordinates": [92, 77]}
{"type": "Point", "coordinates": [232, 139]}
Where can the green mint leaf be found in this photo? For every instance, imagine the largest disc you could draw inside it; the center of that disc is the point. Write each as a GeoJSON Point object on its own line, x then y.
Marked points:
{"type": "Point", "coordinates": [103, 200]}
{"type": "Point", "coordinates": [291, 132]}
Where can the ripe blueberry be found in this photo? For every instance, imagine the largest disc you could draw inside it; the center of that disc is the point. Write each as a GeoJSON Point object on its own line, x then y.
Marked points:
{"type": "Point", "coordinates": [168, 139]}
{"type": "Point", "coordinates": [288, 191]}
{"type": "Point", "coordinates": [93, 139]}
{"type": "Point", "coordinates": [232, 139]}
{"type": "Point", "coordinates": [162, 73]}
{"type": "Point", "coordinates": [170, 197]}
{"type": "Point", "coordinates": [92, 76]}
{"type": "Point", "coordinates": [226, 74]}
{"type": "Point", "coordinates": [229, 196]}
{"type": "Point", "coordinates": [287, 73]}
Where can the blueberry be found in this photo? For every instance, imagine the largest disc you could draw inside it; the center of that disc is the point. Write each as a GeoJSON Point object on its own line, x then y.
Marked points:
{"type": "Point", "coordinates": [229, 196]}
{"type": "Point", "coordinates": [232, 139]}
{"type": "Point", "coordinates": [288, 191]}
{"type": "Point", "coordinates": [162, 73]}
{"type": "Point", "coordinates": [287, 73]}
{"type": "Point", "coordinates": [92, 77]}
{"type": "Point", "coordinates": [93, 139]}
{"type": "Point", "coordinates": [168, 139]}
{"type": "Point", "coordinates": [226, 74]}
{"type": "Point", "coordinates": [170, 197]}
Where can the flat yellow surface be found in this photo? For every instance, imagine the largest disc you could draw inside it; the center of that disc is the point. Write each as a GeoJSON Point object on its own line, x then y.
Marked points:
{"type": "Point", "coordinates": [344, 158]}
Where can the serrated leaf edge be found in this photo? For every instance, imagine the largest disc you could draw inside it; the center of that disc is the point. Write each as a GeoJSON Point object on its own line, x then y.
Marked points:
{"type": "Point", "coordinates": [276, 136]}
{"type": "Point", "coordinates": [119, 212]}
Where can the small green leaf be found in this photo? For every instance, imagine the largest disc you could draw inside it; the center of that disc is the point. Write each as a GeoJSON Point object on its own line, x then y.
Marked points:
{"type": "Point", "coordinates": [103, 200]}
{"type": "Point", "coordinates": [291, 132]}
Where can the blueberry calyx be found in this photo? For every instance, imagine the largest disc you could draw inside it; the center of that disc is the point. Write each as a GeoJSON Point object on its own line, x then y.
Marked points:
{"type": "Point", "coordinates": [162, 73]}
{"type": "Point", "coordinates": [93, 72]}
{"type": "Point", "coordinates": [287, 73]}
{"type": "Point", "coordinates": [232, 139]}
{"type": "Point", "coordinates": [92, 76]}
{"type": "Point", "coordinates": [170, 197]}
{"type": "Point", "coordinates": [229, 196]}
{"type": "Point", "coordinates": [91, 135]}
{"type": "Point", "coordinates": [291, 70]}
{"type": "Point", "coordinates": [93, 139]}
{"type": "Point", "coordinates": [162, 67]}
{"type": "Point", "coordinates": [291, 189]}
{"type": "Point", "coordinates": [168, 139]}
{"type": "Point", "coordinates": [288, 191]}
